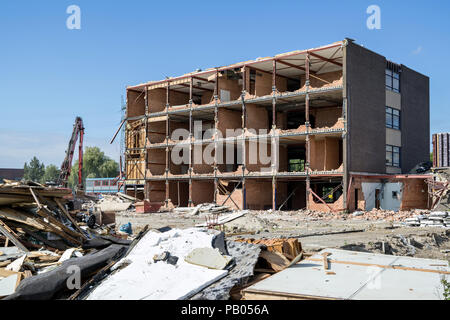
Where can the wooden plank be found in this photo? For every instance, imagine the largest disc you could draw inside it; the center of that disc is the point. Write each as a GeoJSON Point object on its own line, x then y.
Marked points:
{"type": "Point", "coordinates": [47, 214]}
{"type": "Point", "coordinates": [50, 245]}
{"type": "Point", "coordinates": [8, 233]}
{"type": "Point", "coordinates": [21, 217]}
{"type": "Point", "coordinates": [68, 216]}
{"type": "Point", "coordinates": [275, 259]}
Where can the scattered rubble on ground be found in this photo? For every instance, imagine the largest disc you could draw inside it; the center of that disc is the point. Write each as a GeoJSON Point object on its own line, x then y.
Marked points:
{"type": "Point", "coordinates": [214, 253]}
{"type": "Point", "coordinates": [40, 237]}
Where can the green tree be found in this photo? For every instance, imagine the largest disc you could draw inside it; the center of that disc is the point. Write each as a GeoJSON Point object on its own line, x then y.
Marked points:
{"type": "Point", "coordinates": [51, 174]}
{"type": "Point", "coordinates": [34, 171]}
{"type": "Point", "coordinates": [431, 156]}
{"type": "Point", "coordinates": [95, 165]}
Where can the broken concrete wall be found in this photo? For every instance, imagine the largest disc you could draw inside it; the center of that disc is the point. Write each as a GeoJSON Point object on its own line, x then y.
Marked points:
{"type": "Point", "coordinates": [385, 198]}
{"type": "Point", "coordinates": [394, 194]}
{"type": "Point", "coordinates": [234, 201]}
{"type": "Point", "coordinates": [338, 205]}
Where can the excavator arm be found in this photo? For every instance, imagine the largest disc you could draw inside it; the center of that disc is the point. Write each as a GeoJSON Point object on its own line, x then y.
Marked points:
{"type": "Point", "coordinates": [66, 167]}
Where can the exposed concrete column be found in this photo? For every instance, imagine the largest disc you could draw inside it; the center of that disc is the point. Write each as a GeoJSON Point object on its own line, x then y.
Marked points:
{"type": "Point", "coordinates": [244, 147]}
{"type": "Point", "coordinates": [307, 124]}
{"type": "Point", "coordinates": [216, 130]}
{"type": "Point", "coordinates": [274, 193]}
{"type": "Point", "coordinates": [345, 179]}
{"type": "Point", "coordinates": [274, 92]}
{"type": "Point", "coordinates": [146, 189]}
{"type": "Point", "coordinates": [167, 143]}
{"type": "Point", "coordinates": [274, 146]}
{"type": "Point", "coordinates": [190, 141]}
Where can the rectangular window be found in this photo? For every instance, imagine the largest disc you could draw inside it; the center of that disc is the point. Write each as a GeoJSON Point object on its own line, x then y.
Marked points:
{"type": "Point", "coordinates": [393, 77]}
{"type": "Point", "coordinates": [97, 184]}
{"type": "Point", "coordinates": [392, 118]}
{"type": "Point", "coordinates": [105, 183]}
{"type": "Point", "coordinates": [393, 156]}
{"type": "Point", "coordinates": [392, 80]}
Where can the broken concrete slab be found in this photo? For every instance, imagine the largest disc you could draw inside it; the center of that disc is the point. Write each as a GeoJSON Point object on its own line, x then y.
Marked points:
{"type": "Point", "coordinates": [208, 257]}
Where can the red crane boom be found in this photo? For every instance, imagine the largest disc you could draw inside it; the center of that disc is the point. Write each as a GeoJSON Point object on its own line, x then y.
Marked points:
{"type": "Point", "coordinates": [66, 167]}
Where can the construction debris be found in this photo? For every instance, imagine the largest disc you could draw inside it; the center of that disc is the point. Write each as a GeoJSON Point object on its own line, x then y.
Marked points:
{"type": "Point", "coordinates": [191, 263]}
{"type": "Point", "coordinates": [202, 209]}
{"type": "Point", "coordinates": [46, 236]}
{"type": "Point", "coordinates": [322, 276]}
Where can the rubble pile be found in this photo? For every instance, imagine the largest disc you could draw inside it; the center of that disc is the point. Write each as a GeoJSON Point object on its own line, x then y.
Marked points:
{"type": "Point", "coordinates": [387, 215]}
{"type": "Point", "coordinates": [40, 238]}
{"type": "Point", "coordinates": [433, 219]}
{"type": "Point", "coordinates": [202, 209]}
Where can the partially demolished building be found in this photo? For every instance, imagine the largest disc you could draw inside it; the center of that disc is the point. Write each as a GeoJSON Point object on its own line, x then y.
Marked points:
{"type": "Point", "coordinates": [342, 125]}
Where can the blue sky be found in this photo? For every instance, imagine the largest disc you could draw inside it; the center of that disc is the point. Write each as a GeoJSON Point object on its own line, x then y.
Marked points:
{"type": "Point", "coordinates": [50, 74]}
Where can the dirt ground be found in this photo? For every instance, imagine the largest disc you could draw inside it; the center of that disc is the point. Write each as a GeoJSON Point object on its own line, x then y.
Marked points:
{"type": "Point", "coordinates": [351, 233]}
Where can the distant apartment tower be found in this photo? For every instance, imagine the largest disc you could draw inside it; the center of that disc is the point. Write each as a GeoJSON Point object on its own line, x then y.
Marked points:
{"type": "Point", "coordinates": [441, 150]}
{"type": "Point", "coordinates": [345, 120]}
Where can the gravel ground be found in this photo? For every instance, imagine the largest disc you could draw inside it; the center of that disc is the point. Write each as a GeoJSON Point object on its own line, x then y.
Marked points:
{"type": "Point", "coordinates": [361, 233]}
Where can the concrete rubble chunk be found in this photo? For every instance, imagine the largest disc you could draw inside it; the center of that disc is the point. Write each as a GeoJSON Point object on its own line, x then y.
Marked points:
{"type": "Point", "coordinates": [209, 258]}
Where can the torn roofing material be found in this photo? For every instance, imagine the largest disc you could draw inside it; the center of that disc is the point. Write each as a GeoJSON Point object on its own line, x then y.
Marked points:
{"type": "Point", "coordinates": [138, 277]}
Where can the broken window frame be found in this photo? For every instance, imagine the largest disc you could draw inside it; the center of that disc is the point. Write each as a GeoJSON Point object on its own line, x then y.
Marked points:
{"type": "Point", "coordinates": [393, 156]}
{"type": "Point", "coordinates": [393, 118]}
